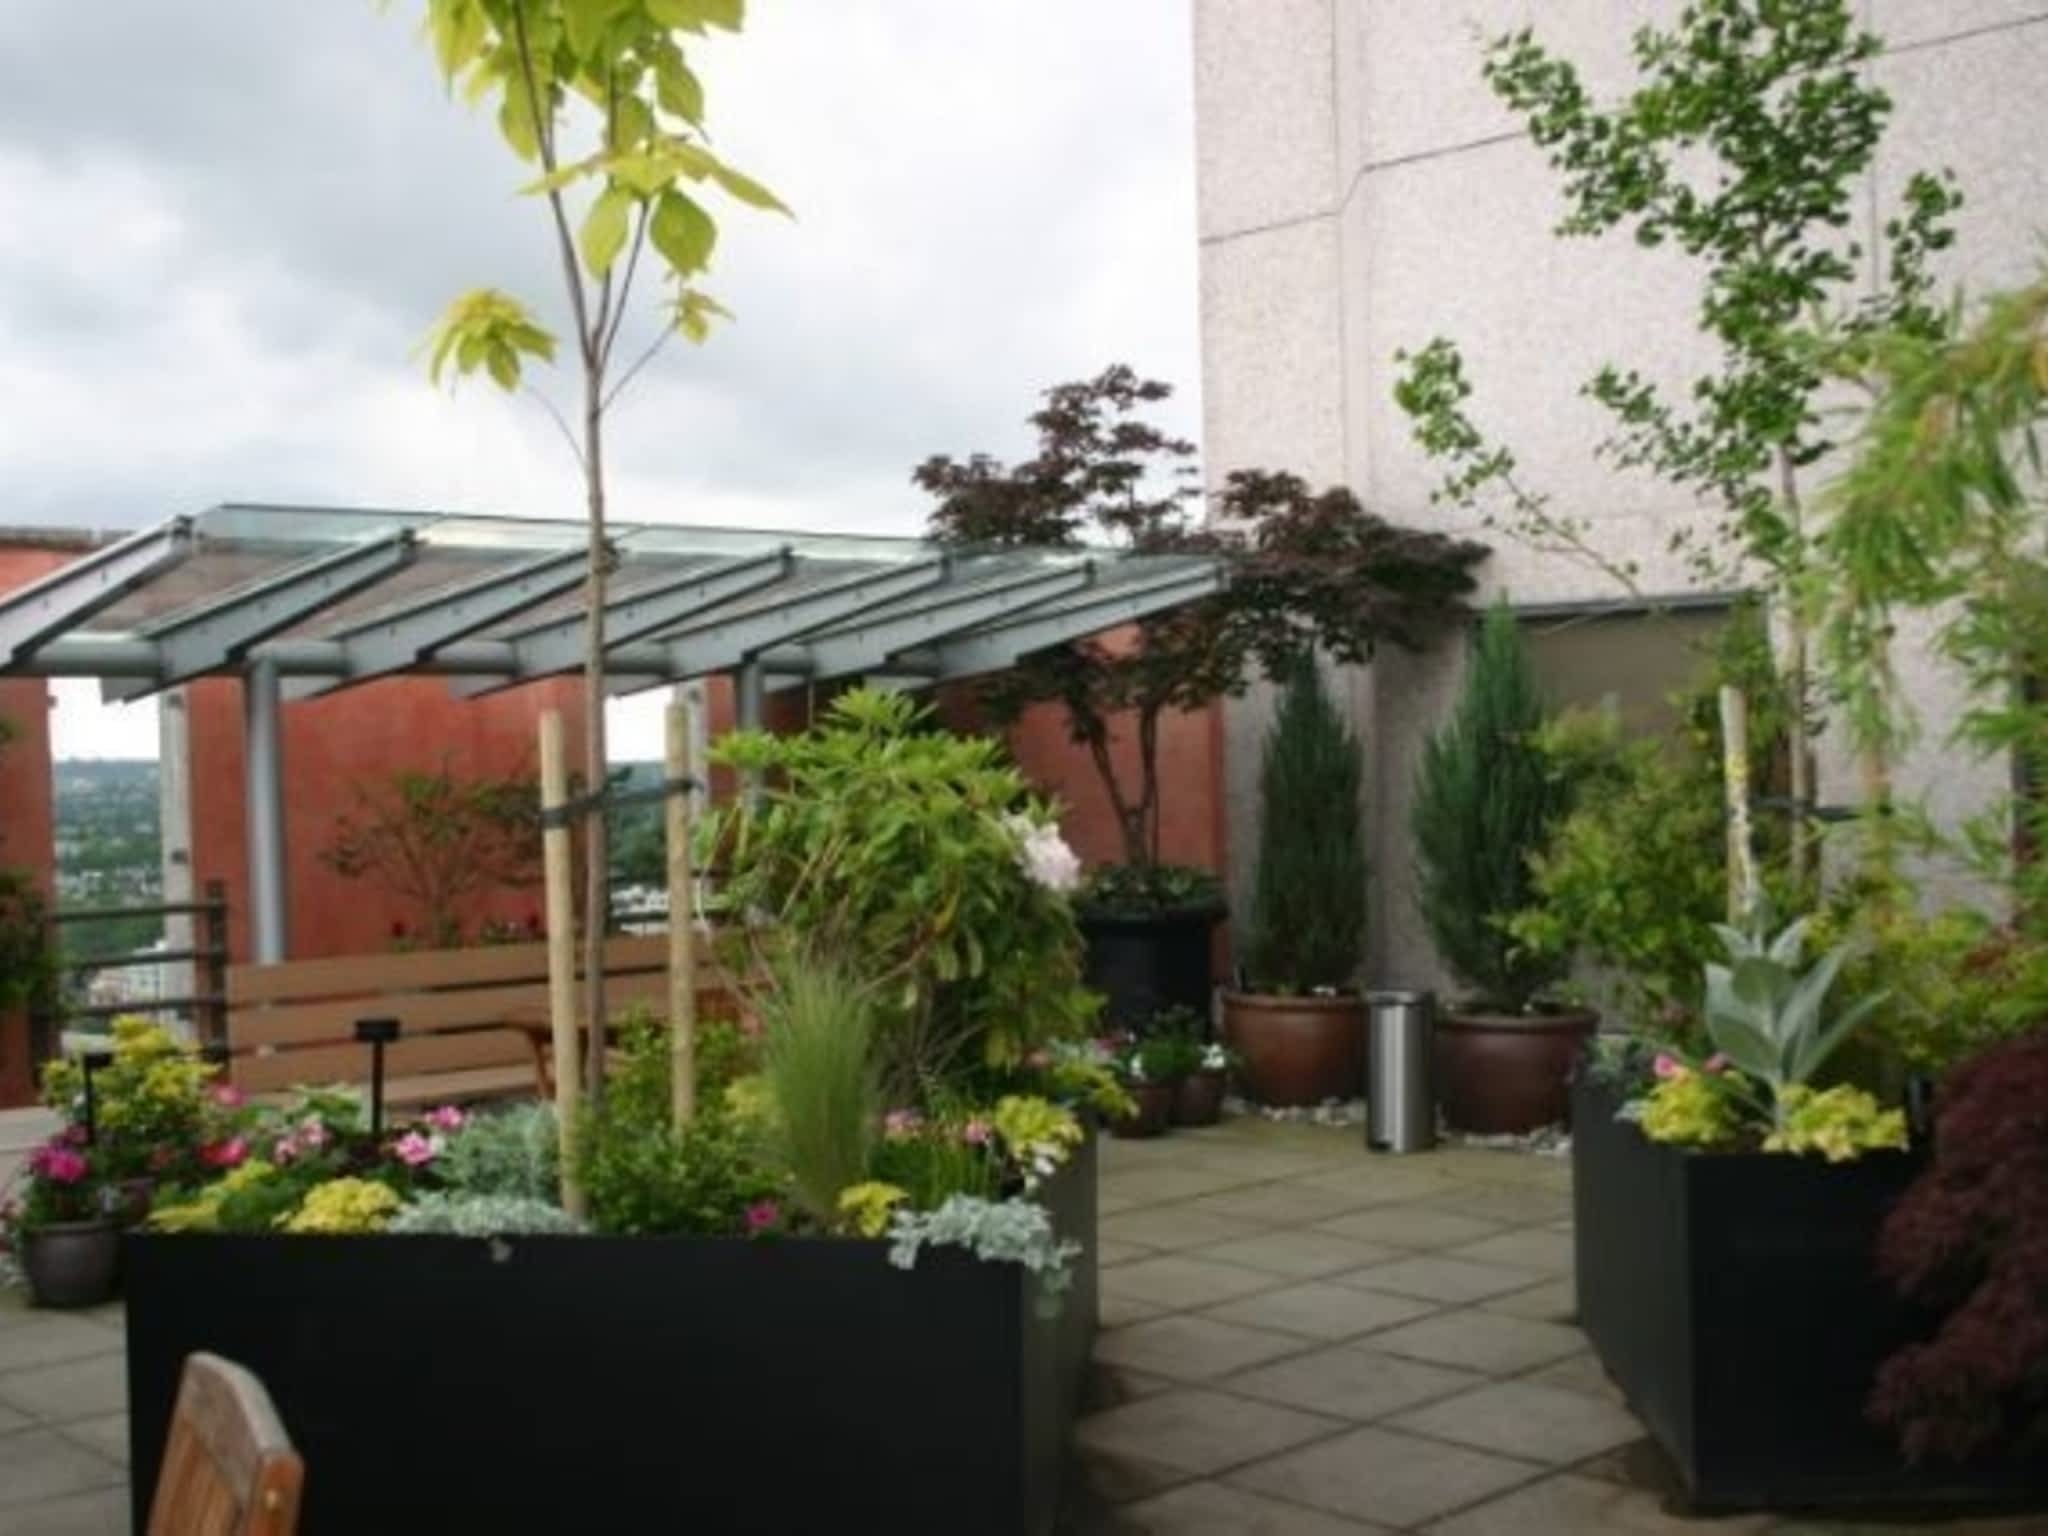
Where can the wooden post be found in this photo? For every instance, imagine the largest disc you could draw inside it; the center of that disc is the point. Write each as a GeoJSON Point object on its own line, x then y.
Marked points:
{"type": "Point", "coordinates": [1742, 881]}
{"type": "Point", "coordinates": [682, 925]}
{"type": "Point", "coordinates": [559, 872]}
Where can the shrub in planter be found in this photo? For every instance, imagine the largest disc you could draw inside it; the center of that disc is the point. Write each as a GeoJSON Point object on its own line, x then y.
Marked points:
{"type": "Point", "coordinates": [1150, 1071]}
{"type": "Point", "coordinates": [1968, 1245]}
{"type": "Point", "coordinates": [1299, 1023]}
{"type": "Point", "coordinates": [1485, 799]}
{"type": "Point", "coordinates": [1198, 1097]}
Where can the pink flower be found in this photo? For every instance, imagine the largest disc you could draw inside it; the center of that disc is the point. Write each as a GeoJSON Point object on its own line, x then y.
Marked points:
{"type": "Point", "coordinates": [1667, 1066]}
{"type": "Point", "coordinates": [976, 1132]}
{"type": "Point", "coordinates": [312, 1134]}
{"type": "Point", "coordinates": [445, 1118]}
{"type": "Point", "coordinates": [231, 1153]}
{"type": "Point", "coordinates": [415, 1150]}
{"type": "Point", "coordinates": [286, 1149]}
{"type": "Point", "coordinates": [763, 1215]}
{"type": "Point", "coordinates": [226, 1095]}
{"type": "Point", "coordinates": [1715, 1064]}
{"type": "Point", "coordinates": [58, 1163]}
{"type": "Point", "coordinates": [902, 1124]}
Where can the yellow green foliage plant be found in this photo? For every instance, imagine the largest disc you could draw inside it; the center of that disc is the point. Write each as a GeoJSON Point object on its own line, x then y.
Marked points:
{"type": "Point", "coordinates": [344, 1208]}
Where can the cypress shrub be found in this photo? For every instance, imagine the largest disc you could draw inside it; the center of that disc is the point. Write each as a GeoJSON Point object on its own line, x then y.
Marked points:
{"type": "Point", "coordinates": [1485, 799]}
{"type": "Point", "coordinates": [1308, 902]}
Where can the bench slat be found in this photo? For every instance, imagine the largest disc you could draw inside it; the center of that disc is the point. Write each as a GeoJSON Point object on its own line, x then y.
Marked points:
{"type": "Point", "coordinates": [324, 1064]}
{"type": "Point", "coordinates": [432, 969]}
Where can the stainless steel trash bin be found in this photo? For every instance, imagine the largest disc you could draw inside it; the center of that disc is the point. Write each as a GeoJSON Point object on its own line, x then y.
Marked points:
{"type": "Point", "coordinates": [1400, 1106]}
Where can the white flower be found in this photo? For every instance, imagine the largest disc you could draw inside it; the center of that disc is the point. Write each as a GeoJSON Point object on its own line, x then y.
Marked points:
{"type": "Point", "coordinates": [1044, 856]}
{"type": "Point", "coordinates": [1214, 1057]}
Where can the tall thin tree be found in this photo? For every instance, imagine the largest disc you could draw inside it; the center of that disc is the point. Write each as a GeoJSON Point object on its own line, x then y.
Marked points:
{"type": "Point", "coordinates": [600, 98]}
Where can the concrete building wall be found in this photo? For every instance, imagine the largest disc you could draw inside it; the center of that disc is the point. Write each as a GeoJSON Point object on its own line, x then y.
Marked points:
{"type": "Point", "coordinates": [1361, 192]}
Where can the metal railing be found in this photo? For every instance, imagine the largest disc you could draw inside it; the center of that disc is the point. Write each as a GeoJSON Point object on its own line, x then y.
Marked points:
{"type": "Point", "coordinates": [203, 1008]}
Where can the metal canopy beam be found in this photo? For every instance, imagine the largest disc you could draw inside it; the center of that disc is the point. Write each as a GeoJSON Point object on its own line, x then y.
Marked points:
{"type": "Point", "coordinates": [870, 644]}
{"type": "Point", "coordinates": [722, 645]}
{"type": "Point", "coordinates": [403, 637]}
{"type": "Point", "coordinates": [221, 633]}
{"type": "Point", "coordinates": [75, 592]}
{"type": "Point", "coordinates": [994, 647]}
{"type": "Point", "coordinates": [559, 647]}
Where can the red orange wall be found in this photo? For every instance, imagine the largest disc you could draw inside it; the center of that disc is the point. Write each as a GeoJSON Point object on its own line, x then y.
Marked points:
{"type": "Point", "coordinates": [27, 814]}
{"type": "Point", "coordinates": [332, 745]}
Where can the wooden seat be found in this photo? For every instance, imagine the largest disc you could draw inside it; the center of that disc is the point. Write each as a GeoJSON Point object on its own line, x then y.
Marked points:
{"type": "Point", "coordinates": [472, 1022]}
{"type": "Point", "coordinates": [229, 1468]}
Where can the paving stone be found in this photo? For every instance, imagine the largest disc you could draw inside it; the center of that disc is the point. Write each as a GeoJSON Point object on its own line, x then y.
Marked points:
{"type": "Point", "coordinates": [1116, 1310]}
{"type": "Point", "coordinates": [1216, 1509]}
{"type": "Point", "coordinates": [1527, 1419]}
{"type": "Point", "coordinates": [1438, 1278]}
{"type": "Point", "coordinates": [1303, 1255]}
{"type": "Point", "coordinates": [1322, 1311]}
{"type": "Point", "coordinates": [69, 1389]}
{"type": "Point", "coordinates": [1193, 1348]}
{"type": "Point", "coordinates": [1482, 1341]}
{"type": "Point", "coordinates": [1119, 1479]}
{"type": "Point", "coordinates": [86, 1514]}
{"type": "Point", "coordinates": [1548, 1252]}
{"type": "Point", "coordinates": [1109, 1252]}
{"type": "Point", "coordinates": [1515, 1205]}
{"type": "Point", "coordinates": [45, 1337]}
{"type": "Point", "coordinates": [1415, 1224]}
{"type": "Point", "coordinates": [1201, 1432]}
{"type": "Point", "coordinates": [1568, 1505]}
{"type": "Point", "coordinates": [1384, 1183]}
{"type": "Point", "coordinates": [1350, 1381]}
{"type": "Point", "coordinates": [1582, 1373]}
{"type": "Point", "coordinates": [1160, 1186]}
{"type": "Point", "coordinates": [1284, 1204]}
{"type": "Point", "coordinates": [1554, 1301]}
{"type": "Point", "coordinates": [107, 1435]}
{"type": "Point", "coordinates": [1486, 1166]}
{"type": "Point", "coordinates": [1174, 1226]}
{"type": "Point", "coordinates": [1174, 1282]}
{"type": "Point", "coordinates": [41, 1464]}
{"type": "Point", "coordinates": [1376, 1474]}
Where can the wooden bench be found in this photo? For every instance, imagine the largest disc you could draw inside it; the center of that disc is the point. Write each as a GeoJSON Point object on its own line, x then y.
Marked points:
{"type": "Point", "coordinates": [468, 1018]}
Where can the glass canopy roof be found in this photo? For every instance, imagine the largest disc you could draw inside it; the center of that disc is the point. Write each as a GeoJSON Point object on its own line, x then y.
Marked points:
{"type": "Point", "coordinates": [332, 597]}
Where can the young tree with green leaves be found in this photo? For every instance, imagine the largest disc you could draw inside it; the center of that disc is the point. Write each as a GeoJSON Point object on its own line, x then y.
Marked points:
{"type": "Point", "coordinates": [1744, 142]}
{"type": "Point", "coordinates": [1485, 802]}
{"type": "Point", "coordinates": [599, 98]}
{"type": "Point", "coordinates": [1308, 899]}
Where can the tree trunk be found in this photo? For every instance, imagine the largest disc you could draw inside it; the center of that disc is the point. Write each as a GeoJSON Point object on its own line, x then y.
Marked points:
{"type": "Point", "coordinates": [596, 885]}
{"type": "Point", "coordinates": [1130, 819]}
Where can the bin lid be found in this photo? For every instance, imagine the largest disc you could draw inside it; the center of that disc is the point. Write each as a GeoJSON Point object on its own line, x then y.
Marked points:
{"type": "Point", "coordinates": [1395, 997]}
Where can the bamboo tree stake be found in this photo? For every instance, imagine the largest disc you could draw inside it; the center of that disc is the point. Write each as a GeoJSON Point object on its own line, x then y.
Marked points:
{"type": "Point", "coordinates": [682, 921]}
{"type": "Point", "coordinates": [559, 873]}
{"type": "Point", "coordinates": [1742, 880]}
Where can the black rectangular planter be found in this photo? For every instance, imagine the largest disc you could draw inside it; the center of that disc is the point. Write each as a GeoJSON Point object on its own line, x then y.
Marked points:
{"type": "Point", "coordinates": [1734, 1300]}
{"type": "Point", "coordinates": [566, 1384]}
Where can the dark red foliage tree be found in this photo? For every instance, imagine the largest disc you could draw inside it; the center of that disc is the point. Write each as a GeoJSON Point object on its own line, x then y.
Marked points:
{"type": "Point", "coordinates": [1970, 1242]}
{"type": "Point", "coordinates": [1308, 570]}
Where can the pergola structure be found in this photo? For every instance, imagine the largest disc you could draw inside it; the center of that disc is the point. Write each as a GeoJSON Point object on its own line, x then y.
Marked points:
{"type": "Point", "coordinates": [301, 601]}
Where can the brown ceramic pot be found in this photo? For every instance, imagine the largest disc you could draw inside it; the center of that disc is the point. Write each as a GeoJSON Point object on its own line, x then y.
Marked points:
{"type": "Point", "coordinates": [1297, 1050]}
{"type": "Point", "coordinates": [1506, 1074]}
{"type": "Point", "coordinates": [71, 1263]}
{"type": "Point", "coordinates": [1198, 1099]}
{"type": "Point", "coordinates": [1155, 1110]}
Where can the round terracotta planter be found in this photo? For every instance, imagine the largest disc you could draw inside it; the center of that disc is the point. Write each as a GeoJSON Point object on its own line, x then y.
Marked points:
{"type": "Point", "coordinates": [71, 1263]}
{"type": "Point", "coordinates": [1155, 1110]}
{"type": "Point", "coordinates": [1198, 1099]}
{"type": "Point", "coordinates": [1297, 1050]}
{"type": "Point", "coordinates": [1506, 1074]}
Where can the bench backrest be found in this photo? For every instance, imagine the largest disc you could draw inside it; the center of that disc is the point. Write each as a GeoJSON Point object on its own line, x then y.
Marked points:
{"type": "Point", "coordinates": [458, 1009]}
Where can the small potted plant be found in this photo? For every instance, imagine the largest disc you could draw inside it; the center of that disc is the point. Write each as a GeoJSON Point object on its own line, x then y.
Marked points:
{"type": "Point", "coordinates": [1198, 1096]}
{"type": "Point", "coordinates": [1150, 1071]}
{"type": "Point", "coordinates": [1299, 1021]}
{"type": "Point", "coordinates": [1485, 800]}
{"type": "Point", "coordinates": [60, 1228]}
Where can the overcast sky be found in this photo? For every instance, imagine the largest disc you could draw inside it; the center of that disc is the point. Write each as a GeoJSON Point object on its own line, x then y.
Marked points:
{"type": "Point", "coordinates": [225, 226]}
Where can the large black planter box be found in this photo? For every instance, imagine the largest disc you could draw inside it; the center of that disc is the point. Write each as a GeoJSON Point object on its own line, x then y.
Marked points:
{"type": "Point", "coordinates": [1143, 964]}
{"type": "Point", "coordinates": [566, 1384]}
{"type": "Point", "coordinates": [1734, 1301]}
